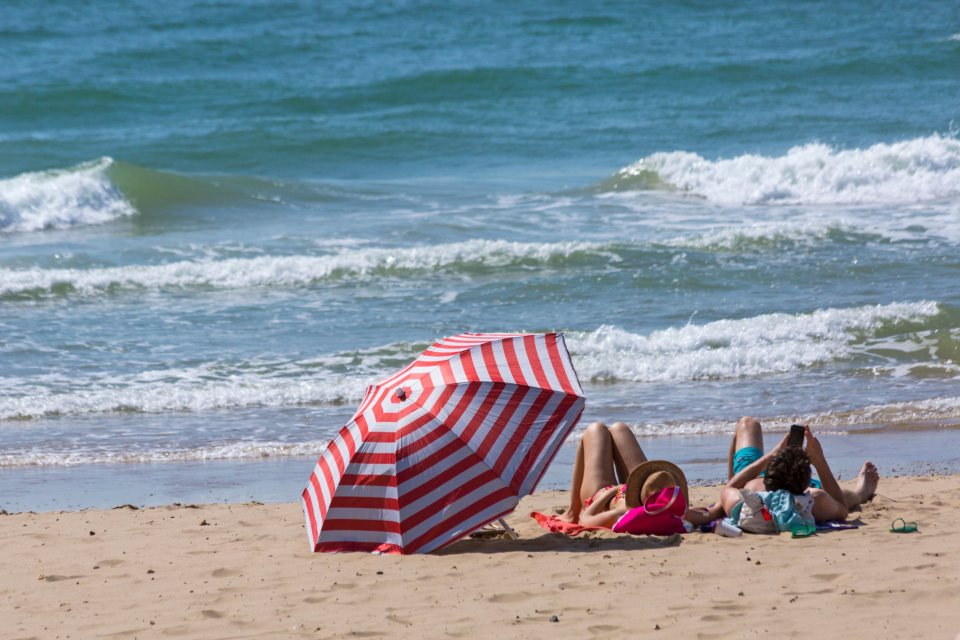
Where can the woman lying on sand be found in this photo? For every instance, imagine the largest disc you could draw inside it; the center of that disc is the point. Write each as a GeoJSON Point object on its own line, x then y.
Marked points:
{"type": "Point", "coordinates": [788, 468]}
{"type": "Point", "coordinates": [604, 487]}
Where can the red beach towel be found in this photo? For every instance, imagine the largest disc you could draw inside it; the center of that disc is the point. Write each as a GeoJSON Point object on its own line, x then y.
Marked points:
{"type": "Point", "coordinates": [555, 525]}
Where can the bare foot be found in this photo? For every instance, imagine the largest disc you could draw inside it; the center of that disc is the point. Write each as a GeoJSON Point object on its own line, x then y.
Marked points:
{"type": "Point", "coordinates": [867, 482]}
{"type": "Point", "coordinates": [568, 516]}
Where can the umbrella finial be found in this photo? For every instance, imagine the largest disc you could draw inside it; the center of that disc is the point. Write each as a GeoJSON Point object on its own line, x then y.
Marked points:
{"type": "Point", "coordinates": [401, 394]}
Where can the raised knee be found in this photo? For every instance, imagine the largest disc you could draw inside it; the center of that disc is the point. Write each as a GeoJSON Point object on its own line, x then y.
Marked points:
{"type": "Point", "coordinates": [619, 426]}
{"type": "Point", "coordinates": [594, 427]}
{"type": "Point", "coordinates": [748, 423]}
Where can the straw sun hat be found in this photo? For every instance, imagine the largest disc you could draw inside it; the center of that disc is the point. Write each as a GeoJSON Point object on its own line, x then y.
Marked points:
{"type": "Point", "coordinates": [648, 476]}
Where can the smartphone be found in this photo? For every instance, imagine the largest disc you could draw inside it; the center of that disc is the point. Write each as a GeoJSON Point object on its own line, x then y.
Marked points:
{"type": "Point", "coordinates": [796, 436]}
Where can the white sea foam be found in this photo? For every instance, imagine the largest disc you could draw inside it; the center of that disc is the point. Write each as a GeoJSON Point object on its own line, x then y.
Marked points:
{"type": "Point", "coordinates": [229, 451]}
{"type": "Point", "coordinates": [176, 390]}
{"type": "Point", "coordinates": [285, 270]}
{"type": "Point", "coordinates": [762, 234]}
{"type": "Point", "coordinates": [921, 169]}
{"type": "Point", "coordinates": [81, 195]}
{"type": "Point", "coordinates": [935, 411]}
{"type": "Point", "coordinates": [772, 343]}
{"type": "Point", "coordinates": [930, 410]}
{"type": "Point", "coordinates": [771, 424]}
{"type": "Point", "coordinates": [764, 344]}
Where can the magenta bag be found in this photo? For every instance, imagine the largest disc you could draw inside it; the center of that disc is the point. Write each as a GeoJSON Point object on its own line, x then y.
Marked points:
{"type": "Point", "coordinates": [660, 515]}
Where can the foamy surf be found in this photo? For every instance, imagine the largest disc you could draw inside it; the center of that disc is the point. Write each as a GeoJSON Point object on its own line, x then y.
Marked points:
{"type": "Point", "coordinates": [764, 235]}
{"type": "Point", "coordinates": [764, 344]}
{"type": "Point", "coordinates": [59, 199]}
{"type": "Point", "coordinates": [227, 451]}
{"type": "Point", "coordinates": [724, 349]}
{"type": "Point", "coordinates": [929, 413]}
{"type": "Point", "coordinates": [177, 390]}
{"type": "Point", "coordinates": [264, 271]}
{"type": "Point", "coordinates": [917, 170]}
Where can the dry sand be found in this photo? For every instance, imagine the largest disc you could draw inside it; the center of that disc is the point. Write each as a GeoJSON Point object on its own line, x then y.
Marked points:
{"type": "Point", "coordinates": [244, 571]}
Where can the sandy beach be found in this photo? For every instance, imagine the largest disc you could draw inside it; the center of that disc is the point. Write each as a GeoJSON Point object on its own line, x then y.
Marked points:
{"type": "Point", "coordinates": [245, 571]}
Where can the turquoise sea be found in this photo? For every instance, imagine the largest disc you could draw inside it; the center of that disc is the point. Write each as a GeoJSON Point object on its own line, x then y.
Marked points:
{"type": "Point", "coordinates": [219, 221]}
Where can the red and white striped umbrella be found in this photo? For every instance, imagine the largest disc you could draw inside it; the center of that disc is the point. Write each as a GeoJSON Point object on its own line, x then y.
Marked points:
{"type": "Point", "coordinates": [446, 445]}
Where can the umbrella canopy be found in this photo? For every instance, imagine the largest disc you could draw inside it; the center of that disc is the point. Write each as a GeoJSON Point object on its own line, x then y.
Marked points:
{"type": "Point", "coordinates": [444, 446]}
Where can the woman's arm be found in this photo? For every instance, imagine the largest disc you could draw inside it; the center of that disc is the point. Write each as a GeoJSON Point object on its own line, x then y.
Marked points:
{"type": "Point", "coordinates": [597, 514]}
{"type": "Point", "coordinates": [604, 518]}
{"type": "Point", "coordinates": [835, 509]}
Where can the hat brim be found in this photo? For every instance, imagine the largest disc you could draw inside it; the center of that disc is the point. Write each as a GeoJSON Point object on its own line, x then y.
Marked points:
{"type": "Point", "coordinates": [644, 470]}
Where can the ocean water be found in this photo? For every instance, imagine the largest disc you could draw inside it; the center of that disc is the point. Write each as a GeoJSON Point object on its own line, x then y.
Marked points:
{"type": "Point", "coordinates": [220, 221]}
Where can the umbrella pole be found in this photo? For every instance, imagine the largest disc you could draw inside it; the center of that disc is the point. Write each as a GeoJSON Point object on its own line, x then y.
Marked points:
{"type": "Point", "coordinates": [510, 532]}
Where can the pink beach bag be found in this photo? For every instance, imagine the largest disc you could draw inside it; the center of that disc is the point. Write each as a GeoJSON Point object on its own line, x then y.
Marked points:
{"type": "Point", "coordinates": [660, 515]}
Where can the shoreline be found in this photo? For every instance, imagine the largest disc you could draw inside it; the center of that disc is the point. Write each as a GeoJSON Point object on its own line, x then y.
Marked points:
{"type": "Point", "coordinates": [281, 479]}
{"type": "Point", "coordinates": [245, 570]}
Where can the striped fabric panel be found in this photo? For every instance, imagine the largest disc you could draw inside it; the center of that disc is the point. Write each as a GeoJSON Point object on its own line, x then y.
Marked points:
{"type": "Point", "coordinates": [326, 476]}
{"type": "Point", "coordinates": [535, 360]}
{"type": "Point", "coordinates": [463, 517]}
{"type": "Point", "coordinates": [548, 443]}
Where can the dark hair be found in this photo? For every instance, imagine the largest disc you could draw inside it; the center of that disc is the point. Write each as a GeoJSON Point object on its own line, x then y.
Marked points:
{"type": "Point", "coordinates": [790, 470]}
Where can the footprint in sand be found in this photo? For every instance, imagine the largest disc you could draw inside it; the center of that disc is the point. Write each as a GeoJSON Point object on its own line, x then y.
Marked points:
{"type": "Point", "coordinates": [109, 563]}
{"type": "Point", "coordinates": [518, 596]}
{"type": "Point", "coordinates": [212, 613]}
{"type": "Point", "coordinates": [572, 585]}
{"type": "Point", "coordinates": [342, 585]}
{"type": "Point", "coordinates": [224, 573]}
{"type": "Point", "coordinates": [604, 630]}
{"type": "Point", "coordinates": [314, 600]}
{"type": "Point", "coordinates": [392, 617]}
{"type": "Point", "coordinates": [826, 577]}
{"type": "Point", "coordinates": [181, 630]}
{"type": "Point", "coordinates": [729, 607]}
{"type": "Point", "coordinates": [58, 578]}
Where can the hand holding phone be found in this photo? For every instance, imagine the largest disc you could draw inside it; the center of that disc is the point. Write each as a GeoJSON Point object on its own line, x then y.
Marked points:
{"type": "Point", "coordinates": [796, 436]}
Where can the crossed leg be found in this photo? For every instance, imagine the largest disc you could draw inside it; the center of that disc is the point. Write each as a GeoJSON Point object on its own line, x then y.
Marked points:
{"type": "Point", "coordinates": [749, 433]}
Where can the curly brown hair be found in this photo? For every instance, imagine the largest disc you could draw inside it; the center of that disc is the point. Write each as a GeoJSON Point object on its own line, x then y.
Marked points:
{"type": "Point", "coordinates": [789, 469]}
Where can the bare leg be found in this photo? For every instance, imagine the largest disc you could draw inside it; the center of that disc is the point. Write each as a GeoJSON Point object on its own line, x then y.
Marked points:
{"type": "Point", "coordinates": [748, 433]}
{"type": "Point", "coordinates": [592, 469]}
{"type": "Point", "coordinates": [867, 482]}
{"type": "Point", "coordinates": [627, 453]}
{"type": "Point", "coordinates": [572, 514]}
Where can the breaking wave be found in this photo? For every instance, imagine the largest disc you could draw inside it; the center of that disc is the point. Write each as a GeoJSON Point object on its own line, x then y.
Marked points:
{"type": "Point", "coordinates": [725, 349]}
{"type": "Point", "coordinates": [283, 270]}
{"type": "Point", "coordinates": [229, 451]}
{"type": "Point", "coordinates": [58, 199]}
{"type": "Point", "coordinates": [930, 413]}
{"type": "Point", "coordinates": [921, 169]}
{"type": "Point", "coordinates": [761, 236]}
{"type": "Point", "coordinates": [329, 379]}
{"type": "Point", "coordinates": [765, 344]}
